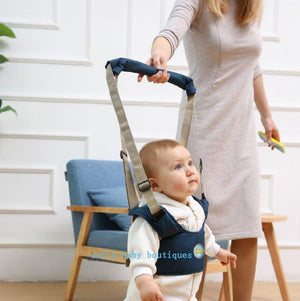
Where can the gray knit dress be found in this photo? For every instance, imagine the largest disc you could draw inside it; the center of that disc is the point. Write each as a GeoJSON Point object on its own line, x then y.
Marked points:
{"type": "Point", "coordinates": [223, 61]}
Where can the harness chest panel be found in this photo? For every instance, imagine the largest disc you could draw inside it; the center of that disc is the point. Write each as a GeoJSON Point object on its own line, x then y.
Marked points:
{"type": "Point", "coordinates": [181, 251]}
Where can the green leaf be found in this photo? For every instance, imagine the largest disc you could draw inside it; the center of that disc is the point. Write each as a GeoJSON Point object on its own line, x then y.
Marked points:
{"type": "Point", "coordinates": [3, 59]}
{"type": "Point", "coordinates": [8, 108]}
{"type": "Point", "coordinates": [6, 31]}
{"type": "Point", "coordinates": [0, 103]}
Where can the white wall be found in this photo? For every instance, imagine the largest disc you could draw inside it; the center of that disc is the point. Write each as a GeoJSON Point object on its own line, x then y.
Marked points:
{"type": "Point", "coordinates": [56, 82]}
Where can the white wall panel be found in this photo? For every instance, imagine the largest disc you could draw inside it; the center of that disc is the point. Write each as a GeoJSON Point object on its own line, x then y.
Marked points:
{"type": "Point", "coordinates": [51, 45]}
{"type": "Point", "coordinates": [30, 13]}
{"type": "Point", "coordinates": [285, 182]}
{"type": "Point", "coordinates": [281, 89]}
{"type": "Point", "coordinates": [270, 21]}
{"type": "Point", "coordinates": [19, 186]}
{"type": "Point", "coordinates": [139, 18]}
{"type": "Point", "coordinates": [34, 193]}
{"type": "Point", "coordinates": [284, 54]}
{"type": "Point", "coordinates": [267, 187]}
{"type": "Point", "coordinates": [56, 81]}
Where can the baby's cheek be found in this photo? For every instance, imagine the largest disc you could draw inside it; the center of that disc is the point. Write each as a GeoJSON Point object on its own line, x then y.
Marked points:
{"type": "Point", "coordinates": [180, 186]}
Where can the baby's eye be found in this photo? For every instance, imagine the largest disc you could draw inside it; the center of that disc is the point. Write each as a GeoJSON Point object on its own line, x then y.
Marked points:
{"type": "Point", "coordinates": [190, 163]}
{"type": "Point", "coordinates": [178, 166]}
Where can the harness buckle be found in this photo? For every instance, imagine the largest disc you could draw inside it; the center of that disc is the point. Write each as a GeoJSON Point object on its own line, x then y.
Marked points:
{"type": "Point", "coordinates": [122, 154]}
{"type": "Point", "coordinates": [144, 186]}
{"type": "Point", "coordinates": [200, 166]}
{"type": "Point", "coordinates": [157, 216]}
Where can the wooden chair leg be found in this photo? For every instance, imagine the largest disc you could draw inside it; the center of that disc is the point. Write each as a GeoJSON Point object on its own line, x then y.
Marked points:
{"type": "Point", "coordinates": [70, 289]}
{"type": "Point", "coordinates": [226, 289]}
{"type": "Point", "coordinates": [230, 283]}
{"type": "Point", "coordinates": [201, 286]}
{"type": "Point", "coordinates": [222, 292]}
{"type": "Point", "coordinates": [274, 252]}
{"type": "Point", "coordinates": [81, 241]}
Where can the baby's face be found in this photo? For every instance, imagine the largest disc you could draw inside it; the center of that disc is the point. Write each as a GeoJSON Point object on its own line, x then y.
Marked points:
{"type": "Point", "coordinates": [175, 174]}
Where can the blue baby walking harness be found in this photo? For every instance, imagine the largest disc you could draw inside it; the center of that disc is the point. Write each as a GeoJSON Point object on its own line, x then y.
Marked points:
{"type": "Point", "coordinates": [180, 251]}
{"type": "Point", "coordinates": [186, 246]}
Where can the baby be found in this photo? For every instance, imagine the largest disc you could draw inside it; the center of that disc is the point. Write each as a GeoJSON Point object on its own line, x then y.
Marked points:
{"type": "Point", "coordinates": [171, 250]}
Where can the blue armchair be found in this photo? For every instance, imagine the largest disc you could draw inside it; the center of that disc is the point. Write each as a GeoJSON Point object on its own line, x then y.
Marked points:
{"type": "Point", "coordinates": [100, 232]}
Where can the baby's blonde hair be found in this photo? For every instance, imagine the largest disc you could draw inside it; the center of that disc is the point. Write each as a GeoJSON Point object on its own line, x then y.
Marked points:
{"type": "Point", "coordinates": [150, 152]}
{"type": "Point", "coordinates": [247, 10]}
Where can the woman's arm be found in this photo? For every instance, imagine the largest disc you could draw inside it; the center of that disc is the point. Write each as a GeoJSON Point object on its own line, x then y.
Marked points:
{"type": "Point", "coordinates": [262, 105]}
{"type": "Point", "coordinates": [168, 39]}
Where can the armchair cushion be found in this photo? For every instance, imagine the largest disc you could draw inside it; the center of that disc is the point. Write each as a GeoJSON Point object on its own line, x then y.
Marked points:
{"type": "Point", "coordinates": [109, 239]}
{"type": "Point", "coordinates": [112, 197]}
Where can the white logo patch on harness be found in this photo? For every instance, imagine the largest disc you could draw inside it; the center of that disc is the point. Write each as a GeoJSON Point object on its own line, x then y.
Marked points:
{"type": "Point", "coordinates": [198, 251]}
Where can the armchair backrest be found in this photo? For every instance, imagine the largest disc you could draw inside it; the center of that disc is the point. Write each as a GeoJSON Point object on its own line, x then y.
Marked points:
{"type": "Point", "coordinates": [84, 175]}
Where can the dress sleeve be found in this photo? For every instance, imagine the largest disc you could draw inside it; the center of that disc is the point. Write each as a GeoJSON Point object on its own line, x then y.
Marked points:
{"type": "Point", "coordinates": [143, 245]}
{"type": "Point", "coordinates": [179, 21]}
{"type": "Point", "coordinates": [257, 71]}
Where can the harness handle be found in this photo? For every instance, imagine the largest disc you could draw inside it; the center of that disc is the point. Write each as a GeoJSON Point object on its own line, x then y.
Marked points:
{"type": "Point", "coordinates": [128, 65]}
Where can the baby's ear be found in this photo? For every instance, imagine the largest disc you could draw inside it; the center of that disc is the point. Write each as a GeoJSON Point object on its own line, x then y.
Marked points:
{"type": "Point", "coordinates": [154, 185]}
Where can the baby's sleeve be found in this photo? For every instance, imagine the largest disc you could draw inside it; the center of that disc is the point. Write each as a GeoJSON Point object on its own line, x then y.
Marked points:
{"type": "Point", "coordinates": [211, 247]}
{"type": "Point", "coordinates": [143, 246]}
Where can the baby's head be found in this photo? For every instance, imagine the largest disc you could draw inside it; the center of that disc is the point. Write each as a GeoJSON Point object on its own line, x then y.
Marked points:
{"type": "Point", "coordinates": [170, 169]}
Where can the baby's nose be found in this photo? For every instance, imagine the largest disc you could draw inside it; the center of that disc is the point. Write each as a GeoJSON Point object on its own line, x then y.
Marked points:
{"type": "Point", "coordinates": [189, 170]}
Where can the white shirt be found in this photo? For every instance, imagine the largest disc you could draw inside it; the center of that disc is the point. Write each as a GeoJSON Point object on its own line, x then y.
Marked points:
{"type": "Point", "coordinates": [143, 244]}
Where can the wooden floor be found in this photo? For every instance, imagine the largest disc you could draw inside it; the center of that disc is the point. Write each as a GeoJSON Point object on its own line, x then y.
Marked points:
{"type": "Point", "coordinates": [115, 291]}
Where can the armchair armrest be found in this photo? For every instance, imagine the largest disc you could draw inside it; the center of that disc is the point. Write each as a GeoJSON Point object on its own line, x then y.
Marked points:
{"type": "Point", "coordinates": [97, 209]}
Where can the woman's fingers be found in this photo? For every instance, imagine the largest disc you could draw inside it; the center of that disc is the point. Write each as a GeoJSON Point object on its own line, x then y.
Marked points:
{"type": "Point", "coordinates": [162, 76]}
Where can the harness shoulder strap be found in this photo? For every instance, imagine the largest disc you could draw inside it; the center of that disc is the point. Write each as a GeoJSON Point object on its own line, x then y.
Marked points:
{"type": "Point", "coordinates": [204, 204]}
{"type": "Point", "coordinates": [165, 227]}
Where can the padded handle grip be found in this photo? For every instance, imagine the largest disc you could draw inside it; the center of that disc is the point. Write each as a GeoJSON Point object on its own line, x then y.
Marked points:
{"type": "Point", "coordinates": [128, 65]}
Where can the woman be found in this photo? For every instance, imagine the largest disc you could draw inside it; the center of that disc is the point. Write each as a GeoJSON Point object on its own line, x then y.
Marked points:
{"type": "Point", "coordinates": [222, 44]}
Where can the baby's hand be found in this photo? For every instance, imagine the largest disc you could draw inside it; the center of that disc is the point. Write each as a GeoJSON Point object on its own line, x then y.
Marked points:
{"type": "Point", "coordinates": [226, 256]}
{"type": "Point", "coordinates": [149, 290]}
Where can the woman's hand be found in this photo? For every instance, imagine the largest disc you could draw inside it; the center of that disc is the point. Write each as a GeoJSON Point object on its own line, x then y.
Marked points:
{"type": "Point", "coordinates": [160, 54]}
{"type": "Point", "coordinates": [158, 62]}
{"type": "Point", "coordinates": [271, 129]}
